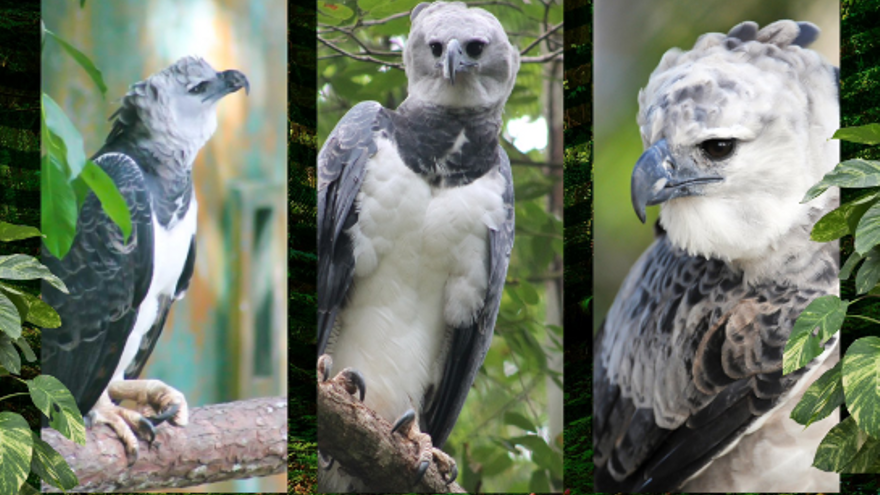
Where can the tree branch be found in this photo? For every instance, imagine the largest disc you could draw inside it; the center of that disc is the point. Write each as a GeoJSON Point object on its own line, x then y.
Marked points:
{"type": "Point", "coordinates": [362, 58]}
{"type": "Point", "coordinates": [541, 38]}
{"type": "Point", "coordinates": [223, 441]}
{"type": "Point", "coordinates": [362, 443]}
{"type": "Point", "coordinates": [542, 58]}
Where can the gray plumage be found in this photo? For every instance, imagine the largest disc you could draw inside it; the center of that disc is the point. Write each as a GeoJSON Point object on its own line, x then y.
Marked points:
{"type": "Point", "coordinates": [415, 225]}
{"type": "Point", "coordinates": [687, 365]}
{"type": "Point", "coordinates": [121, 290]}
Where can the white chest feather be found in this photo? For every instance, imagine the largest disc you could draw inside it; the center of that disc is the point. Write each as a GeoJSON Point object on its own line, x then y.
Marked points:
{"type": "Point", "coordinates": [421, 270]}
{"type": "Point", "coordinates": [170, 250]}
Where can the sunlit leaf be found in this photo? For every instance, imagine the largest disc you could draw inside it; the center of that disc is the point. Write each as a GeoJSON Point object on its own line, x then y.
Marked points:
{"type": "Point", "coordinates": [821, 399]}
{"type": "Point", "coordinates": [16, 447]}
{"type": "Point", "coordinates": [861, 383]}
{"type": "Point", "coordinates": [851, 173]}
{"type": "Point", "coordinates": [840, 446]}
{"type": "Point", "coordinates": [864, 134]}
{"type": "Point", "coordinates": [57, 208]}
{"type": "Point", "coordinates": [111, 199]}
{"type": "Point", "coordinates": [24, 267]}
{"type": "Point", "coordinates": [10, 232]}
{"type": "Point", "coordinates": [48, 393]}
{"type": "Point", "coordinates": [61, 126]}
{"type": "Point", "coordinates": [826, 313]}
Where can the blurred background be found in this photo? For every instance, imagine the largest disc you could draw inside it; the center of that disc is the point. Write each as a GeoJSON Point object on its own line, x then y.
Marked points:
{"type": "Point", "coordinates": [227, 339]}
{"type": "Point", "coordinates": [508, 438]}
{"type": "Point", "coordinates": [630, 38]}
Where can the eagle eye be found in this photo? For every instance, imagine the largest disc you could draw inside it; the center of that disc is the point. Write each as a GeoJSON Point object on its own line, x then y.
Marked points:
{"type": "Point", "coordinates": [199, 88]}
{"type": "Point", "coordinates": [475, 48]}
{"type": "Point", "coordinates": [718, 149]}
{"type": "Point", "coordinates": [436, 49]}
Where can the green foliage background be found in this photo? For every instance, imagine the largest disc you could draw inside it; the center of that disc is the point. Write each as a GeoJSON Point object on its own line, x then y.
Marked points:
{"type": "Point", "coordinates": [509, 404]}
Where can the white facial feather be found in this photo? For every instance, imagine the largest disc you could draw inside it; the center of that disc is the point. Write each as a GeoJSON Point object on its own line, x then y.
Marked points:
{"type": "Point", "coordinates": [779, 101]}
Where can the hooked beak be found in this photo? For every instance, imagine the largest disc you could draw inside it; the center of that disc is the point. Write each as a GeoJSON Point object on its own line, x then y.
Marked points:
{"type": "Point", "coordinates": [230, 81]}
{"type": "Point", "coordinates": [454, 61]}
{"type": "Point", "coordinates": [658, 178]}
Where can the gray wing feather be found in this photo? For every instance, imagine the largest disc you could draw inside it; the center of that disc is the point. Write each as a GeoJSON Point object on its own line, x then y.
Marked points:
{"type": "Point", "coordinates": [470, 344]}
{"type": "Point", "coordinates": [687, 359]}
{"type": "Point", "coordinates": [341, 166]}
{"type": "Point", "coordinates": [108, 278]}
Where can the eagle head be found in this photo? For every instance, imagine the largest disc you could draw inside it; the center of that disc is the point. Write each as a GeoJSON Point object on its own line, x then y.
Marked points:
{"type": "Point", "coordinates": [736, 131]}
{"type": "Point", "coordinates": [176, 107]}
{"type": "Point", "coordinates": [459, 57]}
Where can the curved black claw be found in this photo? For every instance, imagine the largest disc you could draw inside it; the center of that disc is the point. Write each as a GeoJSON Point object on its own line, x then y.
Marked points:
{"type": "Point", "coordinates": [164, 415]}
{"type": "Point", "coordinates": [147, 429]}
{"type": "Point", "coordinates": [404, 421]}
{"type": "Point", "coordinates": [423, 468]}
{"type": "Point", "coordinates": [453, 475]}
{"type": "Point", "coordinates": [324, 463]}
{"type": "Point", "coordinates": [354, 378]}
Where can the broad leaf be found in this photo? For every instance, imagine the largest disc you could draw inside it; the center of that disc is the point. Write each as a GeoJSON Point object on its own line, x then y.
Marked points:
{"type": "Point", "coordinates": [10, 232]}
{"type": "Point", "coordinates": [518, 420]}
{"type": "Point", "coordinates": [842, 220]}
{"type": "Point", "coordinates": [84, 62]}
{"type": "Point", "coordinates": [9, 357]}
{"type": "Point", "coordinates": [10, 320]}
{"type": "Point", "coordinates": [869, 273]}
{"type": "Point", "coordinates": [854, 173]}
{"type": "Point", "coordinates": [840, 446]}
{"type": "Point", "coordinates": [16, 446]}
{"type": "Point", "coordinates": [821, 399]}
{"type": "Point", "coordinates": [864, 134]}
{"type": "Point", "coordinates": [57, 206]}
{"type": "Point", "coordinates": [861, 383]}
{"type": "Point", "coordinates": [868, 231]}
{"type": "Point", "coordinates": [539, 483]}
{"type": "Point", "coordinates": [50, 466]}
{"type": "Point", "coordinates": [107, 192]}
{"type": "Point", "coordinates": [867, 460]}
{"type": "Point", "coordinates": [826, 313]}
{"type": "Point", "coordinates": [24, 267]}
{"type": "Point", "coordinates": [27, 489]}
{"type": "Point", "coordinates": [48, 393]}
{"type": "Point", "coordinates": [31, 308]}
{"type": "Point", "coordinates": [61, 126]}
{"type": "Point", "coordinates": [851, 262]}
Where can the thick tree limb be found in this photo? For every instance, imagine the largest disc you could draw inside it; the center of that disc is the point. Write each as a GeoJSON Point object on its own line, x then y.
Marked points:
{"type": "Point", "coordinates": [362, 443]}
{"type": "Point", "coordinates": [221, 442]}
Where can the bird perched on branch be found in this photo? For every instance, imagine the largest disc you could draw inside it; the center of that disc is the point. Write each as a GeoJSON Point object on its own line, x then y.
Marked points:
{"type": "Point", "coordinates": [688, 386]}
{"type": "Point", "coordinates": [122, 290]}
{"type": "Point", "coordinates": [415, 229]}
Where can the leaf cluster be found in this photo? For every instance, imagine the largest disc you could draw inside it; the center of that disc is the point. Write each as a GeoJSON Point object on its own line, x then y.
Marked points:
{"type": "Point", "coordinates": [852, 446]}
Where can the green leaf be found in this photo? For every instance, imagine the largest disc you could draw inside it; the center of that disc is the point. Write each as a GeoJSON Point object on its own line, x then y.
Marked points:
{"type": "Point", "coordinates": [48, 392]}
{"type": "Point", "coordinates": [57, 207]}
{"type": "Point", "coordinates": [861, 383]}
{"type": "Point", "coordinates": [868, 231]}
{"type": "Point", "coordinates": [16, 446]}
{"type": "Point", "coordinates": [842, 220]}
{"type": "Point", "coordinates": [24, 267]}
{"type": "Point", "coordinates": [854, 173]}
{"type": "Point", "coordinates": [518, 420]}
{"type": "Point", "coordinates": [22, 344]}
{"type": "Point", "coordinates": [497, 464]}
{"type": "Point", "coordinates": [111, 199]}
{"type": "Point", "coordinates": [61, 126]}
{"type": "Point", "coordinates": [10, 319]}
{"type": "Point", "coordinates": [827, 313]}
{"type": "Point", "coordinates": [539, 483]}
{"type": "Point", "coordinates": [335, 10]}
{"type": "Point", "coordinates": [9, 357]}
{"type": "Point", "coordinates": [869, 273]}
{"type": "Point", "coordinates": [821, 399]}
{"type": "Point", "coordinates": [367, 5]}
{"type": "Point", "coordinates": [542, 454]}
{"type": "Point", "coordinates": [851, 263]}
{"type": "Point", "coordinates": [865, 134]}
{"type": "Point", "coordinates": [27, 489]}
{"type": "Point", "coordinates": [83, 61]}
{"type": "Point", "coordinates": [48, 464]}
{"type": "Point", "coordinates": [840, 446]}
{"type": "Point", "coordinates": [528, 293]}
{"type": "Point", "coordinates": [867, 460]}
{"type": "Point", "coordinates": [10, 232]}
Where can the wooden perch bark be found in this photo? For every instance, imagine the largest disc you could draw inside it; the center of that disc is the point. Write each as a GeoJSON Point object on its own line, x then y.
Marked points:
{"type": "Point", "coordinates": [221, 442]}
{"type": "Point", "coordinates": [361, 442]}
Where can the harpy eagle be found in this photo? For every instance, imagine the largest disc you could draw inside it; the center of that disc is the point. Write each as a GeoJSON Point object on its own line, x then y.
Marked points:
{"type": "Point", "coordinates": [415, 230]}
{"type": "Point", "coordinates": [121, 291]}
{"type": "Point", "coordinates": [688, 387]}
